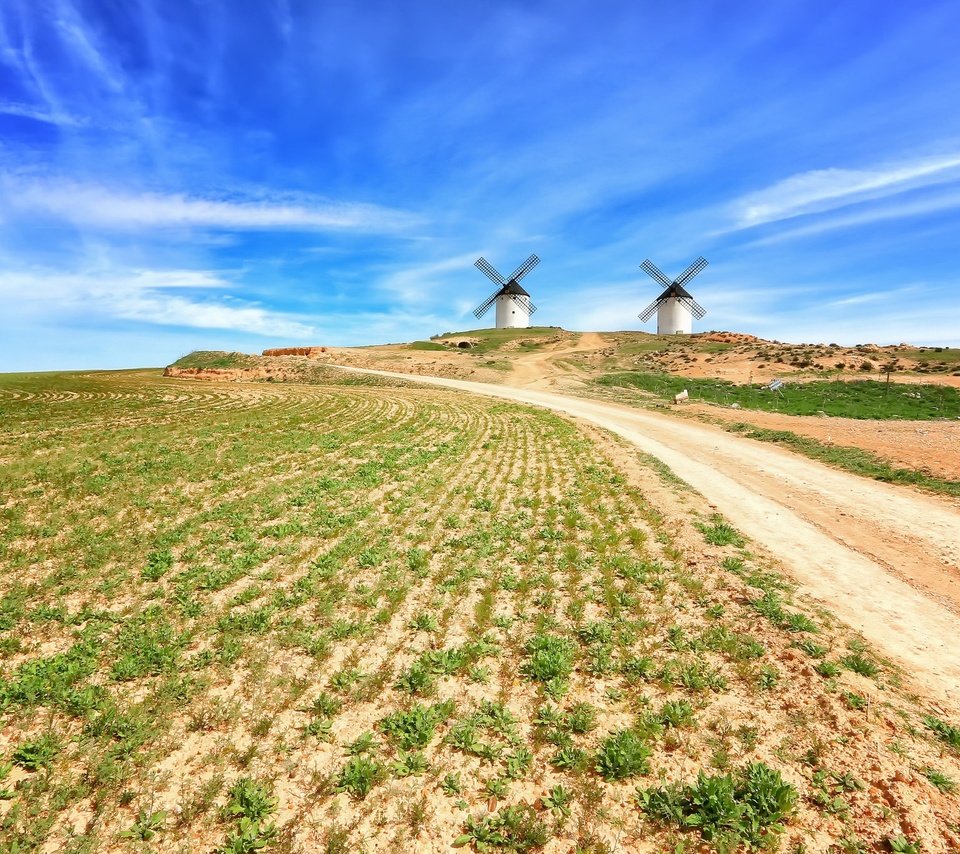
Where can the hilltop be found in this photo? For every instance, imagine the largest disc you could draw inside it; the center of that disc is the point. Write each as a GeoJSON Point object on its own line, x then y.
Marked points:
{"type": "Point", "coordinates": [737, 357]}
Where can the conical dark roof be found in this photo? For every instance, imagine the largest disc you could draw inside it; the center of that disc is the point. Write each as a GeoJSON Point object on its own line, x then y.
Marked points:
{"type": "Point", "coordinates": [676, 292]}
{"type": "Point", "coordinates": [512, 287]}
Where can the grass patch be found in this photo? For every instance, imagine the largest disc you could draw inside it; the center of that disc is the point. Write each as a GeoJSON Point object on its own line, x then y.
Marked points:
{"type": "Point", "coordinates": [214, 359]}
{"type": "Point", "coordinates": [720, 532]}
{"type": "Point", "coordinates": [426, 345]}
{"type": "Point", "coordinates": [490, 340]}
{"type": "Point", "coordinates": [856, 399]}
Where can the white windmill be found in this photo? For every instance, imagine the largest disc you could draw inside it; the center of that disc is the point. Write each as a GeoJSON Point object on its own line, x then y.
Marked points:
{"type": "Point", "coordinates": [513, 302]}
{"type": "Point", "coordinates": [675, 307]}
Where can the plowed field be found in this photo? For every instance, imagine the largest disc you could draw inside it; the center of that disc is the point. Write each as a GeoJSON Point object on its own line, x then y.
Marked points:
{"type": "Point", "coordinates": [365, 615]}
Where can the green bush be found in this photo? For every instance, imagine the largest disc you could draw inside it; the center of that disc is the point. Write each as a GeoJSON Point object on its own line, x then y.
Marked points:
{"type": "Point", "coordinates": [415, 727]}
{"type": "Point", "coordinates": [359, 776]}
{"type": "Point", "coordinates": [515, 828]}
{"type": "Point", "coordinates": [622, 755]}
{"type": "Point", "coordinates": [746, 808]}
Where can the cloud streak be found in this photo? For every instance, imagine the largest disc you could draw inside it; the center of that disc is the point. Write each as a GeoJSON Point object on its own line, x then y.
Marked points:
{"type": "Point", "coordinates": [899, 209]}
{"type": "Point", "coordinates": [145, 296]}
{"type": "Point", "coordinates": [823, 190]}
{"type": "Point", "coordinates": [40, 114]}
{"type": "Point", "coordinates": [93, 205]}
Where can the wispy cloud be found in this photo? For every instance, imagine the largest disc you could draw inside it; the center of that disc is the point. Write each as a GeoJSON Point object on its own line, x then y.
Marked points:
{"type": "Point", "coordinates": [822, 190]}
{"type": "Point", "coordinates": [145, 296]}
{"type": "Point", "coordinates": [411, 283]}
{"type": "Point", "coordinates": [155, 307]}
{"type": "Point", "coordinates": [41, 114]}
{"type": "Point", "coordinates": [95, 205]}
{"type": "Point", "coordinates": [894, 210]}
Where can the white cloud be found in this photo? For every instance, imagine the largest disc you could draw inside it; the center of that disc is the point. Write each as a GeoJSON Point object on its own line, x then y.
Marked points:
{"type": "Point", "coordinates": [143, 295]}
{"type": "Point", "coordinates": [95, 205]}
{"type": "Point", "coordinates": [825, 189]}
{"type": "Point", "coordinates": [166, 310]}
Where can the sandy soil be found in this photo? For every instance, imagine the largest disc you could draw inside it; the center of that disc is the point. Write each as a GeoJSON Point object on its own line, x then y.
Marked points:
{"type": "Point", "coordinates": [885, 559]}
{"type": "Point", "coordinates": [932, 446]}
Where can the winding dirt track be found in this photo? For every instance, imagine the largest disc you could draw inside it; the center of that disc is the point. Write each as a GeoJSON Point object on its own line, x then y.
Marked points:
{"type": "Point", "coordinates": [883, 558]}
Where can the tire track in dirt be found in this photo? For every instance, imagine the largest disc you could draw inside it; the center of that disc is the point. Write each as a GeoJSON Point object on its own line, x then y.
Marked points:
{"type": "Point", "coordinates": [883, 558]}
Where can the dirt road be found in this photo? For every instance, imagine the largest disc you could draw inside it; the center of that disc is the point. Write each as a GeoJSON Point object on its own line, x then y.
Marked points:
{"type": "Point", "coordinates": [883, 558]}
{"type": "Point", "coordinates": [538, 369]}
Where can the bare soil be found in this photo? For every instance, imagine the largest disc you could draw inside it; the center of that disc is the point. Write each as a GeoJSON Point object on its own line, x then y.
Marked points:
{"type": "Point", "coordinates": [930, 446]}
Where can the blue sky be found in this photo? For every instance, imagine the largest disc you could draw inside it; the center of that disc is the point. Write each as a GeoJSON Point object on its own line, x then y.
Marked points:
{"type": "Point", "coordinates": [178, 174]}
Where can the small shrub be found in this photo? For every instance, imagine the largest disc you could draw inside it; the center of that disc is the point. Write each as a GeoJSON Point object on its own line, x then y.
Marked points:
{"type": "Point", "coordinates": [746, 808]}
{"type": "Point", "coordinates": [858, 664]}
{"type": "Point", "coordinates": [901, 845]}
{"type": "Point", "coordinates": [157, 565]}
{"type": "Point", "coordinates": [622, 755]}
{"type": "Point", "coordinates": [359, 776]}
{"type": "Point", "coordinates": [551, 658]}
{"type": "Point", "coordinates": [36, 754]}
{"type": "Point", "coordinates": [412, 764]}
{"type": "Point", "coordinates": [720, 533]}
{"type": "Point", "coordinates": [250, 799]}
{"type": "Point", "coordinates": [417, 679]}
{"type": "Point", "coordinates": [363, 744]}
{"type": "Point", "coordinates": [812, 648]}
{"type": "Point", "coordinates": [557, 800]}
{"type": "Point", "coordinates": [948, 734]}
{"type": "Point", "coordinates": [425, 622]}
{"type": "Point", "coordinates": [514, 828]}
{"type": "Point", "coordinates": [147, 825]}
{"type": "Point", "coordinates": [582, 718]}
{"type": "Point", "coordinates": [415, 728]}
{"type": "Point", "coordinates": [827, 669]}
{"type": "Point", "coordinates": [937, 778]}
{"type": "Point", "coordinates": [451, 784]}
{"type": "Point", "coordinates": [248, 837]}
{"type": "Point", "coordinates": [676, 713]}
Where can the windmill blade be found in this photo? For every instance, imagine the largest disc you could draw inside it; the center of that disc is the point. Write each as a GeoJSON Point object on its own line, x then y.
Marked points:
{"type": "Point", "coordinates": [524, 303]}
{"type": "Point", "coordinates": [691, 271]}
{"type": "Point", "coordinates": [524, 268]}
{"type": "Point", "coordinates": [697, 310]}
{"type": "Point", "coordinates": [647, 313]}
{"type": "Point", "coordinates": [482, 265]}
{"type": "Point", "coordinates": [655, 273]}
{"type": "Point", "coordinates": [481, 309]}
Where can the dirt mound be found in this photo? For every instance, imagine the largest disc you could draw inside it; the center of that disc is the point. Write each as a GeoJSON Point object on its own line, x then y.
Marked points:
{"type": "Point", "coordinates": [731, 338]}
{"type": "Point", "coordinates": [310, 352]}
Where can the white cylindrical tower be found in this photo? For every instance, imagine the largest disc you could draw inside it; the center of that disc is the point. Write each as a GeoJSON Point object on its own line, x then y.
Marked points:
{"type": "Point", "coordinates": [512, 313]}
{"type": "Point", "coordinates": [673, 318]}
